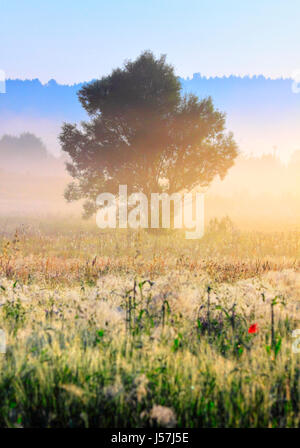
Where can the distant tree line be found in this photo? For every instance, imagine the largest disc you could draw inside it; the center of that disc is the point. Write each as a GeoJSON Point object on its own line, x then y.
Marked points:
{"type": "Point", "coordinates": [26, 152]}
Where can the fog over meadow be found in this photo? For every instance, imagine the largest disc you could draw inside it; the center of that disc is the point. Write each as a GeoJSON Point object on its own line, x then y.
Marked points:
{"type": "Point", "coordinates": [263, 187]}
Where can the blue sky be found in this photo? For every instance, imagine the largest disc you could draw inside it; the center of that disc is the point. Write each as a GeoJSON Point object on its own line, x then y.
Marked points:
{"type": "Point", "coordinates": [74, 41]}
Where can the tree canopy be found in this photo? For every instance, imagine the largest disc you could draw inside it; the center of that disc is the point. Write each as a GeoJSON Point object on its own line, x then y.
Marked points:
{"type": "Point", "coordinates": [144, 134]}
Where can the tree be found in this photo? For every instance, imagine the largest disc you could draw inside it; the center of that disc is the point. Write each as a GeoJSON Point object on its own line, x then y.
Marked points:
{"type": "Point", "coordinates": [23, 153]}
{"type": "Point", "coordinates": [144, 134]}
{"type": "Point", "coordinates": [25, 147]}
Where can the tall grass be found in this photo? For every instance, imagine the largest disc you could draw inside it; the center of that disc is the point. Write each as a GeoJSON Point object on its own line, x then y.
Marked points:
{"type": "Point", "coordinates": [133, 329]}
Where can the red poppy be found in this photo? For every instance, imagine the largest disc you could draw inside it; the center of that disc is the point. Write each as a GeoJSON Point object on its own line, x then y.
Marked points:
{"type": "Point", "coordinates": [253, 328]}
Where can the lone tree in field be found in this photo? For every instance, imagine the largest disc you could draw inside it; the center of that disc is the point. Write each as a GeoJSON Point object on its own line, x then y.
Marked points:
{"type": "Point", "coordinates": [142, 133]}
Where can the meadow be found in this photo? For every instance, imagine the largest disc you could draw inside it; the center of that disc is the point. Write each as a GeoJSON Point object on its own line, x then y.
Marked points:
{"type": "Point", "coordinates": [138, 329]}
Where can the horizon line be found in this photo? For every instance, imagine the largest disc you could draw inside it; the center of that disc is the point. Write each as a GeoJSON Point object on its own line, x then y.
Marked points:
{"type": "Point", "coordinates": [196, 75]}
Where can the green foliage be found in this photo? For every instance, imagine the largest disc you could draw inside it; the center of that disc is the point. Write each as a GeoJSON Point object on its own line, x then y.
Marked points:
{"type": "Point", "coordinates": [14, 311]}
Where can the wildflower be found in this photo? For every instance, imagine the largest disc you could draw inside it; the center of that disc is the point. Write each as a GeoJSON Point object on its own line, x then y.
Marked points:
{"type": "Point", "coordinates": [253, 328]}
{"type": "Point", "coordinates": [162, 416]}
{"type": "Point", "coordinates": [141, 383]}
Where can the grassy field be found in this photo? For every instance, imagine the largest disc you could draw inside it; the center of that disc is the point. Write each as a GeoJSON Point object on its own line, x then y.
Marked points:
{"type": "Point", "coordinates": [133, 329]}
